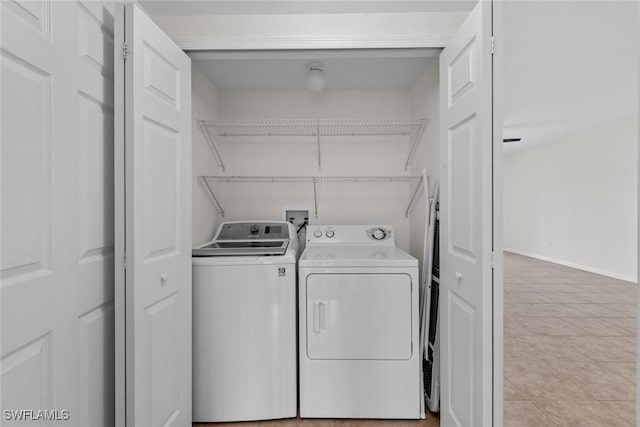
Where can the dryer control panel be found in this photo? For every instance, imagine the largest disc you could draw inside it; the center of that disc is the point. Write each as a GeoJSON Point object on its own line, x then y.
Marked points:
{"type": "Point", "coordinates": [350, 234]}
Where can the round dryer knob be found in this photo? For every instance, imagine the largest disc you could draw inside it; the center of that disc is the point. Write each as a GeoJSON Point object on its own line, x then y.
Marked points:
{"type": "Point", "coordinates": [379, 234]}
{"type": "Point", "coordinates": [317, 233]}
{"type": "Point", "coordinates": [254, 229]}
{"type": "Point", "coordinates": [330, 234]}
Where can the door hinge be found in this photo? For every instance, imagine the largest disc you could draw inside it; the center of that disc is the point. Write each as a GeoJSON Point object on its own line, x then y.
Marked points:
{"type": "Point", "coordinates": [492, 45]}
{"type": "Point", "coordinates": [493, 260]}
{"type": "Point", "coordinates": [125, 51]}
{"type": "Point", "coordinates": [124, 260]}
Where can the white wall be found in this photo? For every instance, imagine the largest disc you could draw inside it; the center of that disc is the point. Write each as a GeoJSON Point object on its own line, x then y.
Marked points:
{"type": "Point", "coordinates": [319, 30]}
{"type": "Point", "coordinates": [345, 203]}
{"type": "Point", "coordinates": [574, 200]}
{"type": "Point", "coordinates": [425, 103]}
{"type": "Point", "coordinates": [205, 217]}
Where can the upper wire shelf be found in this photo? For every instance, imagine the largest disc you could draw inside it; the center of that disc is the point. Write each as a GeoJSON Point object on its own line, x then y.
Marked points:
{"type": "Point", "coordinates": [318, 128]}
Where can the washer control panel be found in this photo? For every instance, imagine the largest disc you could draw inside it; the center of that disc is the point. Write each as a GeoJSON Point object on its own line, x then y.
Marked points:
{"type": "Point", "coordinates": [369, 234]}
{"type": "Point", "coordinates": [253, 231]}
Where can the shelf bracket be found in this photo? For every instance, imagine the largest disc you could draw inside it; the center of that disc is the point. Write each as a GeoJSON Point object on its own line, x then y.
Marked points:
{"type": "Point", "coordinates": [207, 186]}
{"type": "Point", "coordinates": [413, 197]}
{"type": "Point", "coordinates": [416, 137]}
{"type": "Point", "coordinates": [315, 197]}
{"type": "Point", "coordinates": [212, 144]}
{"type": "Point", "coordinates": [318, 142]}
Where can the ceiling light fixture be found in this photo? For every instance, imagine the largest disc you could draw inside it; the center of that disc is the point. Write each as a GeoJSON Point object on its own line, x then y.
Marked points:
{"type": "Point", "coordinates": [315, 77]}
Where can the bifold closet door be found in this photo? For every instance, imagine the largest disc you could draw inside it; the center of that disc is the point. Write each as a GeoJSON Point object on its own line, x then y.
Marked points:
{"type": "Point", "coordinates": [153, 220]}
{"type": "Point", "coordinates": [466, 244]}
{"type": "Point", "coordinates": [56, 285]}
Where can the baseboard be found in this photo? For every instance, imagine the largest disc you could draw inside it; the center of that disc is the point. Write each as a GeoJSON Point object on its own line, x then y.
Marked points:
{"type": "Point", "coordinates": [576, 266]}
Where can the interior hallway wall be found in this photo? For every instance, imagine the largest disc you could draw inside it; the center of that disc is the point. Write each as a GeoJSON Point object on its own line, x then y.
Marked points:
{"type": "Point", "coordinates": [205, 217]}
{"type": "Point", "coordinates": [574, 201]}
{"type": "Point", "coordinates": [338, 203]}
{"type": "Point", "coordinates": [425, 103]}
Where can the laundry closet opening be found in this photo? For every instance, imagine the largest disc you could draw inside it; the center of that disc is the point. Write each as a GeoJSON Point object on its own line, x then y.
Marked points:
{"type": "Point", "coordinates": [350, 139]}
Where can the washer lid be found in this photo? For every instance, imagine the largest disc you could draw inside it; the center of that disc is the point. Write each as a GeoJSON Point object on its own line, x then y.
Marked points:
{"type": "Point", "coordinates": [244, 260]}
{"type": "Point", "coordinates": [242, 247]}
{"type": "Point", "coordinates": [356, 256]}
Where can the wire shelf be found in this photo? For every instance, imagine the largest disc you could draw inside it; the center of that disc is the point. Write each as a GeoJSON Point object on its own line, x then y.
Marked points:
{"type": "Point", "coordinates": [222, 129]}
{"type": "Point", "coordinates": [315, 127]}
{"type": "Point", "coordinates": [208, 181]}
{"type": "Point", "coordinates": [307, 179]}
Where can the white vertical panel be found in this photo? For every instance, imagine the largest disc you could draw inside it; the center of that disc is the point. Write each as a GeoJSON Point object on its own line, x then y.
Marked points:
{"type": "Point", "coordinates": [466, 280]}
{"type": "Point", "coordinates": [95, 117]}
{"type": "Point", "coordinates": [154, 156]}
{"type": "Point", "coordinates": [39, 220]}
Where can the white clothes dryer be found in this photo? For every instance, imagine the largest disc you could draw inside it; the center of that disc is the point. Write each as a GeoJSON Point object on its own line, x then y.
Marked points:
{"type": "Point", "coordinates": [358, 330]}
{"type": "Point", "coordinates": [244, 323]}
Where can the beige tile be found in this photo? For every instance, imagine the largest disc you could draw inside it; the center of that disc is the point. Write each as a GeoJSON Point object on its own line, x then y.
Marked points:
{"type": "Point", "coordinates": [598, 327]}
{"type": "Point", "coordinates": [627, 323]}
{"type": "Point", "coordinates": [625, 370]}
{"type": "Point", "coordinates": [595, 310]}
{"type": "Point", "coordinates": [510, 391]}
{"type": "Point", "coordinates": [536, 380]}
{"type": "Point", "coordinates": [524, 414]}
{"type": "Point", "coordinates": [547, 310]}
{"type": "Point", "coordinates": [627, 344]}
{"type": "Point", "coordinates": [558, 348]}
{"type": "Point", "coordinates": [525, 297]}
{"type": "Point", "coordinates": [580, 413]}
{"type": "Point", "coordinates": [599, 382]}
{"type": "Point", "coordinates": [600, 288]}
{"type": "Point", "coordinates": [558, 297]}
{"type": "Point", "coordinates": [550, 326]}
{"type": "Point", "coordinates": [601, 349]}
{"type": "Point", "coordinates": [626, 310]}
{"type": "Point", "coordinates": [609, 297]}
{"type": "Point", "coordinates": [625, 409]}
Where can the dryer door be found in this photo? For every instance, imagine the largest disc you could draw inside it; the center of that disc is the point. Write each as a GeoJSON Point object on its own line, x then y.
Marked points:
{"type": "Point", "coordinates": [359, 316]}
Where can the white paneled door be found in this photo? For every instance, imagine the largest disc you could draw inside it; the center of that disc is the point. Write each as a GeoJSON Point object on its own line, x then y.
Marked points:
{"type": "Point", "coordinates": [155, 162]}
{"type": "Point", "coordinates": [466, 279]}
{"type": "Point", "coordinates": [56, 288]}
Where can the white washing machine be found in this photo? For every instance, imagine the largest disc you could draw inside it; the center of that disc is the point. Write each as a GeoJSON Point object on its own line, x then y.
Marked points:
{"type": "Point", "coordinates": [244, 323]}
{"type": "Point", "coordinates": [358, 303]}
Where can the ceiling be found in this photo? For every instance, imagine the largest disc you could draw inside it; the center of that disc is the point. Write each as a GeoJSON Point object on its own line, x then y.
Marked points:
{"type": "Point", "coordinates": [263, 7]}
{"type": "Point", "coordinates": [353, 69]}
{"type": "Point", "coordinates": [569, 66]}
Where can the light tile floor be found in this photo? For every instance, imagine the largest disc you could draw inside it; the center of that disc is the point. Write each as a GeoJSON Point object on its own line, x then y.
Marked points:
{"type": "Point", "coordinates": [569, 346]}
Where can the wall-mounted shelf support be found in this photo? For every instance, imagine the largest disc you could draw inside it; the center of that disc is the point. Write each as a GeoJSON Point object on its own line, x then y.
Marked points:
{"type": "Point", "coordinates": [315, 198]}
{"type": "Point", "coordinates": [413, 198]}
{"type": "Point", "coordinates": [319, 153]}
{"type": "Point", "coordinates": [319, 128]}
{"type": "Point", "coordinates": [212, 195]}
{"type": "Point", "coordinates": [212, 143]}
{"type": "Point", "coordinates": [208, 182]}
{"type": "Point", "coordinates": [416, 137]}
{"type": "Point", "coordinates": [422, 183]}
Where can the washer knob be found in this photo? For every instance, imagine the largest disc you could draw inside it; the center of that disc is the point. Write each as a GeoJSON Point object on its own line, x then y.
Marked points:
{"type": "Point", "coordinates": [254, 229]}
{"type": "Point", "coordinates": [330, 234]}
{"type": "Point", "coordinates": [317, 233]}
{"type": "Point", "coordinates": [379, 234]}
